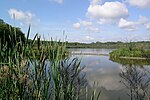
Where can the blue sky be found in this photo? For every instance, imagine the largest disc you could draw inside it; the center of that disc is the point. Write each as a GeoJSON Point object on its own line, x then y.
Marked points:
{"type": "Point", "coordinates": [82, 20]}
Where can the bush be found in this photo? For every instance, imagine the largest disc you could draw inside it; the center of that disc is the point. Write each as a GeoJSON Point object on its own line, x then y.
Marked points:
{"type": "Point", "coordinates": [125, 52]}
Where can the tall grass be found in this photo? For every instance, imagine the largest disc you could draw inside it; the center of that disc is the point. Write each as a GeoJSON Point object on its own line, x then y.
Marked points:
{"type": "Point", "coordinates": [40, 71]}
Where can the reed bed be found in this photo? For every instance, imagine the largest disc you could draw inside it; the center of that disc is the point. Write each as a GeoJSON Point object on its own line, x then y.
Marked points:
{"type": "Point", "coordinates": [33, 70]}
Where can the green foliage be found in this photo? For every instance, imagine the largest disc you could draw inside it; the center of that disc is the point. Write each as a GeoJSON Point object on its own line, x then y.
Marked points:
{"type": "Point", "coordinates": [2, 22]}
{"type": "Point", "coordinates": [38, 70]}
{"type": "Point", "coordinates": [110, 45]}
{"type": "Point", "coordinates": [9, 35]}
{"type": "Point", "coordinates": [127, 52]}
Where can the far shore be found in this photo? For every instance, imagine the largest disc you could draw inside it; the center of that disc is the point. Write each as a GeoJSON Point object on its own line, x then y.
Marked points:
{"type": "Point", "coordinates": [133, 58]}
{"type": "Point", "coordinates": [89, 54]}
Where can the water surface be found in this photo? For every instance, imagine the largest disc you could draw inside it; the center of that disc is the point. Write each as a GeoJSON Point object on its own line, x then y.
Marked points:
{"type": "Point", "coordinates": [104, 71]}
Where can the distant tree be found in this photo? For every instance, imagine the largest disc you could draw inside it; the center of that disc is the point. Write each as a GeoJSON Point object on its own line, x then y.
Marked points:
{"type": "Point", "coordinates": [1, 21]}
{"type": "Point", "coordinates": [98, 42]}
{"type": "Point", "coordinates": [10, 35]}
{"type": "Point", "coordinates": [119, 42]}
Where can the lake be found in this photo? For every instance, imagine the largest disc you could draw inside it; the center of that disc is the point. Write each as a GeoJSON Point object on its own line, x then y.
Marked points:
{"type": "Point", "coordinates": [101, 69]}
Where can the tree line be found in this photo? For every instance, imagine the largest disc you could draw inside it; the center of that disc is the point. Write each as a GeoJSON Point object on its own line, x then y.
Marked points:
{"type": "Point", "coordinates": [10, 35]}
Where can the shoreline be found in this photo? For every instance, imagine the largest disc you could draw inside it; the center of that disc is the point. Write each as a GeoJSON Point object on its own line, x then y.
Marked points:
{"type": "Point", "coordinates": [89, 54]}
{"type": "Point", "coordinates": [133, 58]}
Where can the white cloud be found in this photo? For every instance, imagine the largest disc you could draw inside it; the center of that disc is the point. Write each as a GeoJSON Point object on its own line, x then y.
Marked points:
{"type": "Point", "coordinates": [23, 17]}
{"type": "Point", "coordinates": [86, 23]}
{"type": "Point", "coordinates": [107, 11]}
{"type": "Point", "coordinates": [139, 3]}
{"type": "Point", "coordinates": [58, 1]}
{"type": "Point", "coordinates": [106, 21]}
{"type": "Point", "coordinates": [132, 26]}
{"type": "Point", "coordinates": [77, 25]}
{"type": "Point", "coordinates": [127, 25]}
{"type": "Point", "coordinates": [94, 2]}
{"type": "Point", "coordinates": [93, 29]}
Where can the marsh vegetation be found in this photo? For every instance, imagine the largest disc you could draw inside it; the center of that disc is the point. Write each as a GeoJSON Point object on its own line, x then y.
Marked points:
{"type": "Point", "coordinates": [31, 69]}
{"type": "Point", "coordinates": [38, 69]}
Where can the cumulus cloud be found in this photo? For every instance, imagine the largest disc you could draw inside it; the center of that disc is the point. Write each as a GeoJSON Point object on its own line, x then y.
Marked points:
{"type": "Point", "coordinates": [77, 25]}
{"type": "Point", "coordinates": [87, 25]}
{"type": "Point", "coordinates": [139, 3]}
{"type": "Point", "coordinates": [23, 17]}
{"type": "Point", "coordinates": [58, 1]}
{"type": "Point", "coordinates": [106, 21]}
{"type": "Point", "coordinates": [132, 25]}
{"type": "Point", "coordinates": [107, 11]}
{"type": "Point", "coordinates": [127, 25]}
{"type": "Point", "coordinates": [94, 2]}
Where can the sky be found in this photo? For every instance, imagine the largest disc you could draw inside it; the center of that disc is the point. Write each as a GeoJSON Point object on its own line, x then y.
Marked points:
{"type": "Point", "coordinates": [80, 20]}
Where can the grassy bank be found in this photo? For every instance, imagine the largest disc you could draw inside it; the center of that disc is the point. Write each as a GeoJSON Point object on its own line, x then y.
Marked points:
{"type": "Point", "coordinates": [129, 61]}
{"type": "Point", "coordinates": [127, 53]}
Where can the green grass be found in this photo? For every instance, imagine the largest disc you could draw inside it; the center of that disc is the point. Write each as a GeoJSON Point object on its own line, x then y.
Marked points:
{"type": "Point", "coordinates": [126, 52]}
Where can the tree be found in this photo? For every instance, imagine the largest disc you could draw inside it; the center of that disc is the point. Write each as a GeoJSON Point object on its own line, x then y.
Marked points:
{"type": "Point", "coordinates": [10, 35]}
{"type": "Point", "coordinates": [1, 21]}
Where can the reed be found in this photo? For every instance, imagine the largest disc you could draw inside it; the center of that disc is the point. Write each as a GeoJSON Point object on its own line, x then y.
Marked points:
{"type": "Point", "coordinates": [36, 70]}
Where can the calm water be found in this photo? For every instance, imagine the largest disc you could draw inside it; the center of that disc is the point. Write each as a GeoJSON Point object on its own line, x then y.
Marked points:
{"type": "Point", "coordinates": [91, 51]}
{"type": "Point", "coordinates": [105, 72]}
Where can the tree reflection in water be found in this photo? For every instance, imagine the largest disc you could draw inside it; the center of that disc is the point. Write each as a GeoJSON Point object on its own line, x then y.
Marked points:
{"type": "Point", "coordinates": [137, 81]}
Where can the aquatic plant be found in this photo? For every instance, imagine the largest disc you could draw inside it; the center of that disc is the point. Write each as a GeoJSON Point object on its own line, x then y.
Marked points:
{"type": "Point", "coordinates": [137, 81]}
{"type": "Point", "coordinates": [39, 70]}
